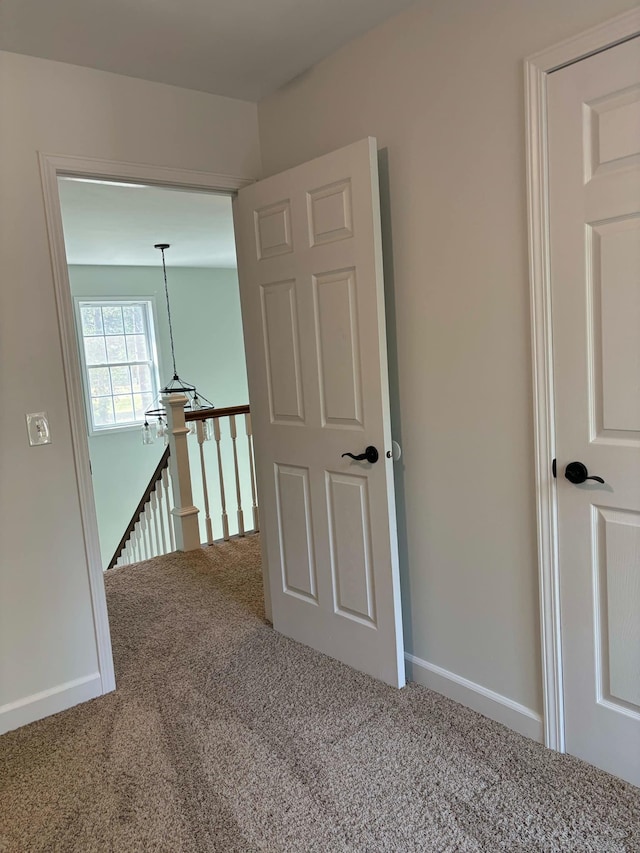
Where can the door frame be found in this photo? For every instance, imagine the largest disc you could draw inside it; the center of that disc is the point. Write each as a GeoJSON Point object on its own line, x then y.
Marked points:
{"type": "Point", "coordinates": [537, 68]}
{"type": "Point", "coordinates": [52, 166]}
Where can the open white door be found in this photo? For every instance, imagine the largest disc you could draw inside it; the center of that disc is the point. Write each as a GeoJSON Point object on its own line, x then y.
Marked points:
{"type": "Point", "coordinates": [310, 268]}
{"type": "Point", "coordinates": [594, 168]}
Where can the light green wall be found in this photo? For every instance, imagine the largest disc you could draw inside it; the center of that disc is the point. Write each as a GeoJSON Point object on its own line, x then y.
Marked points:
{"type": "Point", "coordinates": [207, 328]}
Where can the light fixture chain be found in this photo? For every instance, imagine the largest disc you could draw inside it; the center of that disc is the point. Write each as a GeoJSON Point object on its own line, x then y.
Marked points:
{"type": "Point", "coordinates": [166, 293]}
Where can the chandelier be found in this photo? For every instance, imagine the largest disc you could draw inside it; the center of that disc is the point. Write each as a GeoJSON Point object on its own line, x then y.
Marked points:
{"type": "Point", "coordinates": [157, 412]}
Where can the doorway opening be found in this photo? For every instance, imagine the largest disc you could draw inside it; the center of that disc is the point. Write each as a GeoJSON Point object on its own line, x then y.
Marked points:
{"type": "Point", "coordinates": [129, 344]}
{"type": "Point", "coordinates": [52, 167]}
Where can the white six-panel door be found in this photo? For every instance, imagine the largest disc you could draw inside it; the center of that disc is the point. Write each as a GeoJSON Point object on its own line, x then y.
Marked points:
{"type": "Point", "coordinates": [310, 268]}
{"type": "Point", "coordinates": [594, 162]}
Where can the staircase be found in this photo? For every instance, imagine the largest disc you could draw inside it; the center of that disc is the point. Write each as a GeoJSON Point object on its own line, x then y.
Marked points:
{"type": "Point", "coordinates": [165, 518]}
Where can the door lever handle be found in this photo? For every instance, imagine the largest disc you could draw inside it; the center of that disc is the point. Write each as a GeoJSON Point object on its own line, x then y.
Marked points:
{"type": "Point", "coordinates": [370, 454]}
{"type": "Point", "coordinates": [576, 472]}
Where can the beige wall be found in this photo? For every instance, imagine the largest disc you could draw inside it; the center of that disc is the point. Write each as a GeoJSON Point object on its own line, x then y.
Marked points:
{"type": "Point", "coordinates": [441, 87]}
{"type": "Point", "coordinates": [46, 629]}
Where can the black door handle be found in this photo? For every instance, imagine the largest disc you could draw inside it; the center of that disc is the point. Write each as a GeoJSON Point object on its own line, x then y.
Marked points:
{"type": "Point", "coordinates": [371, 455]}
{"type": "Point", "coordinates": [576, 472]}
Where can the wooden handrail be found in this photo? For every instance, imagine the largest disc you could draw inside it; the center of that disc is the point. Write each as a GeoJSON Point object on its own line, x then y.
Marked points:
{"type": "Point", "coordinates": [208, 414]}
{"type": "Point", "coordinates": [146, 497]}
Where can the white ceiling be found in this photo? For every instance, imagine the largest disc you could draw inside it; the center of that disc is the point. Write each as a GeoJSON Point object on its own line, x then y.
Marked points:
{"type": "Point", "coordinates": [239, 48]}
{"type": "Point", "coordinates": [118, 225]}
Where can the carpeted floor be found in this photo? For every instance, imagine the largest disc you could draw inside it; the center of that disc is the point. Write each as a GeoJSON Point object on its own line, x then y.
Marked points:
{"type": "Point", "coordinates": [225, 736]}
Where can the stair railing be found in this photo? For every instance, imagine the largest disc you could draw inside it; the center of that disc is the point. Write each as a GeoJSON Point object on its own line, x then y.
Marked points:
{"type": "Point", "coordinates": [165, 519]}
{"type": "Point", "coordinates": [222, 424]}
{"type": "Point", "coordinates": [150, 531]}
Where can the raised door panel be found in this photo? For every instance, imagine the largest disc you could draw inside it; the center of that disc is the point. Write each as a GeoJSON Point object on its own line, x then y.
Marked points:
{"type": "Point", "coordinates": [338, 352]}
{"type": "Point", "coordinates": [618, 606]}
{"type": "Point", "coordinates": [330, 213]}
{"type": "Point", "coordinates": [273, 230]}
{"type": "Point", "coordinates": [612, 134]}
{"type": "Point", "coordinates": [282, 352]}
{"type": "Point", "coordinates": [295, 528]}
{"type": "Point", "coordinates": [350, 543]}
{"type": "Point", "coordinates": [615, 306]}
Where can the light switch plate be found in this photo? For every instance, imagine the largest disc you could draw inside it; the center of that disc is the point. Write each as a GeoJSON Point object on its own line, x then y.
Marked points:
{"type": "Point", "coordinates": [38, 429]}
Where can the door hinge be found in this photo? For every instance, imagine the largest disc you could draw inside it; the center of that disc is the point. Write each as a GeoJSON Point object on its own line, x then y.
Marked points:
{"type": "Point", "coordinates": [553, 468]}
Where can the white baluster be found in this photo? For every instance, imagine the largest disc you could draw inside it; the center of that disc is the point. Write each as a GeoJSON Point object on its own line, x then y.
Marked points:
{"type": "Point", "coordinates": [161, 515]}
{"type": "Point", "coordinates": [136, 541]}
{"type": "Point", "coordinates": [225, 520]}
{"type": "Point", "coordinates": [145, 534]}
{"type": "Point", "coordinates": [234, 436]}
{"type": "Point", "coordinates": [141, 541]}
{"type": "Point", "coordinates": [167, 506]}
{"type": "Point", "coordinates": [146, 527]}
{"type": "Point", "coordinates": [154, 513]}
{"type": "Point", "coordinates": [254, 500]}
{"type": "Point", "coordinates": [205, 489]}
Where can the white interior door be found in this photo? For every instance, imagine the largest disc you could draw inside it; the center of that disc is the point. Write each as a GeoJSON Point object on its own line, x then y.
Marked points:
{"type": "Point", "coordinates": [310, 268]}
{"type": "Point", "coordinates": [594, 161]}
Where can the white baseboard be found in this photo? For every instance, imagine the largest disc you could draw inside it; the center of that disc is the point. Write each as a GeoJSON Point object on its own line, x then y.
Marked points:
{"type": "Point", "coordinates": [39, 705]}
{"type": "Point", "coordinates": [493, 705]}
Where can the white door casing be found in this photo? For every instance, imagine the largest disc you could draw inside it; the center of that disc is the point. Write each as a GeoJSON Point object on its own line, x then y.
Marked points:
{"type": "Point", "coordinates": [310, 268]}
{"type": "Point", "coordinates": [51, 166]}
{"type": "Point", "coordinates": [594, 215]}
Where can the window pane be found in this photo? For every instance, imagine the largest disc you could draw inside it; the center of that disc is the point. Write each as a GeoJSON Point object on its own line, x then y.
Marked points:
{"type": "Point", "coordinates": [99, 381]}
{"type": "Point", "coordinates": [123, 407]}
{"type": "Point", "coordinates": [121, 380]}
{"type": "Point", "coordinates": [114, 335]}
{"type": "Point", "coordinates": [91, 320]}
{"type": "Point", "coordinates": [112, 317]}
{"type": "Point", "coordinates": [141, 377]}
{"type": "Point", "coordinates": [133, 319]}
{"type": "Point", "coordinates": [95, 351]}
{"type": "Point", "coordinates": [142, 403]}
{"type": "Point", "coordinates": [116, 349]}
{"type": "Point", "coordinates": [137, 348]}
{"type": "Point", "coordinates": [102, 411]}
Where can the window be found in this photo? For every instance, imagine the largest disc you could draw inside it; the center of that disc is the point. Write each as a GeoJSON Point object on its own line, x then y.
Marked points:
{"type": "Point", "coordinates": [118, 355]}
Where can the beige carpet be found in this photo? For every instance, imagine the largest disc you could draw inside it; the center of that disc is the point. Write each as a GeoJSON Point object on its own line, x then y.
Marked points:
{"type": "Point", "coordinates": [224, 736]}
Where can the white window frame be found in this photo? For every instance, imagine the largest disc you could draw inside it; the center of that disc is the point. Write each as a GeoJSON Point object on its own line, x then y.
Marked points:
{"type": "Point", "coordinates": [149, 305]}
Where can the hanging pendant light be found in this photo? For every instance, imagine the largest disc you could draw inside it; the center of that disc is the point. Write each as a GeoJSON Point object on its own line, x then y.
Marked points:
{"type": "Point", "coordinates": [195, 400]}
{"type": "Point", "coordinates": [147, 434]}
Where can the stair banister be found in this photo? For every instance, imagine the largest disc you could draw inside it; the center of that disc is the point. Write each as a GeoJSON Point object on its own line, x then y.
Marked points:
{"type": "Point", "coordinates": [158, 474]}
{"type": "Point", "coordinates": [155, 527]}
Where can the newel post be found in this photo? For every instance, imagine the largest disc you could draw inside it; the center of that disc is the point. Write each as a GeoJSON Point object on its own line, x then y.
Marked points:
{"type": "Point", "coordinates": [185, 514]}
